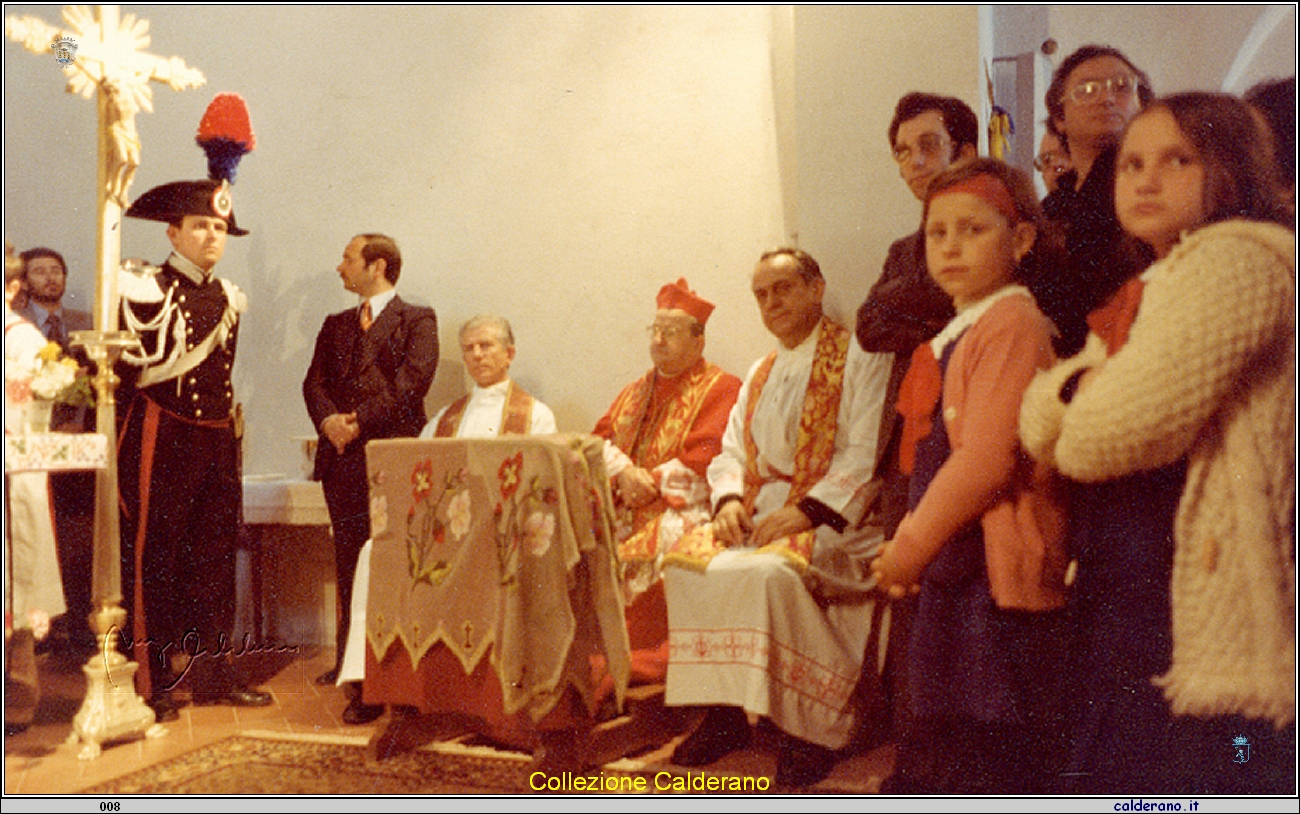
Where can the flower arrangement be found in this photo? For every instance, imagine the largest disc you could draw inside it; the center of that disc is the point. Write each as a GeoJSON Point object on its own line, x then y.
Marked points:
{"type": "Point", "coordinates": [34, 388]}
{"type": "Point", "coordinates": [58, 378]}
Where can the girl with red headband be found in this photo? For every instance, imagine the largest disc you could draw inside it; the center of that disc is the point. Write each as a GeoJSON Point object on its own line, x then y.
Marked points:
{"type": "Point", "coordinates": [982, 546]}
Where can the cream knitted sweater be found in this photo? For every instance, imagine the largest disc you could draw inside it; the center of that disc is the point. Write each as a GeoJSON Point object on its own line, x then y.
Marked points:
{"type": "Point", "coordinates": [1208, 372]}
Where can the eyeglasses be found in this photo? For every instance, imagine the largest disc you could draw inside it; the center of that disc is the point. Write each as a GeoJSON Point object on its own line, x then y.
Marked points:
{"type": "Point", "coordinates": [671, 332]}
{"type": "Point", "coordinates": [930, 145]}
{"type": "Point", "coordinates": [1092, 90]}
{"type": "Point", "coordinates": [668, 332]}
{"type": "Point", "coordinates": [1051, 161]}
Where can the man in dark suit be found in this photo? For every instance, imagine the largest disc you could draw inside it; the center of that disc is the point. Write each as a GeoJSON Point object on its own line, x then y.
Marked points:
{"type": "Point", "coordinates": [372, 367]}
{"type": "Point", "coordinates": [47, 282]}
{"type": "Point", "coordinates": [46, 275]}
{"type": "Point", "coordinates": [929, 135]}
{"type": "Point", "coordinates": [1095, 92]}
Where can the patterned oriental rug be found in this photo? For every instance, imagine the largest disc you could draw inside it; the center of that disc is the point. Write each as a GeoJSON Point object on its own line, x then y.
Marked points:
{"type": "Point", "coordinates": [253, 764]}
{"type": "Point", "coordinates": [262, 763]}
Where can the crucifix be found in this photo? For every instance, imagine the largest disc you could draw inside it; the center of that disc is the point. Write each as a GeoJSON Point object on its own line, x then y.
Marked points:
{"type": "Point", "coordinates": [105, 62]}
{"type": "Point", "coordinates": [103, 58]}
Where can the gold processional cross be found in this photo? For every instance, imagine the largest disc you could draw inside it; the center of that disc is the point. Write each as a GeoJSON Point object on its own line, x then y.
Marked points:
{"type": "Point", "coordinates": [102, 55]}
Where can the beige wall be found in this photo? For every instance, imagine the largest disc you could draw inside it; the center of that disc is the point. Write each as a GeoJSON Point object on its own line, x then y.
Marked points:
{"type": "Point", "coordinates": [853, 65]}
{"type": "Point", "coordinates": [553, 164]}
{"type": "Point", "coordinates": [1187, 47]}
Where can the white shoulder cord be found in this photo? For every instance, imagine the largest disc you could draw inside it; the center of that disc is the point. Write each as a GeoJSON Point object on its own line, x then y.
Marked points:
{"type": "Point", "coordinates": [143, 288]}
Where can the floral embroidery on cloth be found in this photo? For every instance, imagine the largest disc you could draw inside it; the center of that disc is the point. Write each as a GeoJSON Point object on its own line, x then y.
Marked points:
{"type": "Point", "coordinates": [524, 520]}
{"type": "Point", "coordinates": [477, 543]}
{"type": "Point", "coordinates": [654, 441]}
{"type": "Point", "coordinates": [439, 510]}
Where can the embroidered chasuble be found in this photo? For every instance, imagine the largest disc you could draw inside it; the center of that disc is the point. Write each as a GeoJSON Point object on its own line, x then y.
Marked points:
{"type": "Point", "coordinates": [651, 421]}
{"type": "Point", "coordinates": [815, 449]}
{"type": "Point", "coordinates": [672, 426]}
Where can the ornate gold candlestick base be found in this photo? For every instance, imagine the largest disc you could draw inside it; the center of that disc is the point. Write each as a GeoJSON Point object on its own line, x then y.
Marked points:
{"type": "Point", "coordinates": [111, 710]}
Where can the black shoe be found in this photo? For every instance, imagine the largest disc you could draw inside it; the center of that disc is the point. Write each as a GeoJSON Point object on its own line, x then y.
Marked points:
{"type": "Point", "coordinates": [724, 730]}
{"type": "Point", "coordinates": [801, 763]}
{"type": "Point", "coordinates": [330, 676]}
{"type": "Point", "coordinates": [359, 713]}
{"type": "Point", "coordinates": [235, 697]}
{"type": "Point", "coordinates": [248, 698]}
{"type": "Point", "coordinates": [165, 708]}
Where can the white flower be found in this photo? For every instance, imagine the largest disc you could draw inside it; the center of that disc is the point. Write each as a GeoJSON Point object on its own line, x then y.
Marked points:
{"type": "Point", "coordinates": [539, 530]}
{"type": "Point", "coordinates": [459, 515]}
{"type": "Point", "coordinates": [51, 375]}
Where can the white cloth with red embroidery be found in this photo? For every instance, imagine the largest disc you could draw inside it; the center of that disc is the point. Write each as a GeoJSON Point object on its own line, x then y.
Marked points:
{"type": "Point", "coordinates": [747, 631]}
{"type": "Point", "coordinates": [775, 651]}
{"type": "Point", "coordinates": [33, 587]}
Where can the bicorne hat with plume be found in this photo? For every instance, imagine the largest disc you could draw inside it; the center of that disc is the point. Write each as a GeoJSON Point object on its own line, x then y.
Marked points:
{"type": "Point", "coordinates": [226, 136]}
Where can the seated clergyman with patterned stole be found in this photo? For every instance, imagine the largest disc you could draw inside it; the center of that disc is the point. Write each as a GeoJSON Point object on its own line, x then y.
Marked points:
{"type": "Point", "coordinates": [660, 434]}
{"type": "Point", "coordinates": [771, 607]}
{"type": "Point", "coordinates": [494, 406]}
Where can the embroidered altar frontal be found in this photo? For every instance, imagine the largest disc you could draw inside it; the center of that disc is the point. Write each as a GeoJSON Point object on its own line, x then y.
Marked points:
{"type": "Point", "coordinates": [500, 548]}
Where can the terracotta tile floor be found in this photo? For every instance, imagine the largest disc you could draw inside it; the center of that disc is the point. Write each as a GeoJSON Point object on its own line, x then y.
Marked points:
{"type": "Point", "coordinates": [41, 761]}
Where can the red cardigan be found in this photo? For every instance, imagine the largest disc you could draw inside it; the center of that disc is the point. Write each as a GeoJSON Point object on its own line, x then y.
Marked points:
{"type": "Point", "coordinates": [987, 475]}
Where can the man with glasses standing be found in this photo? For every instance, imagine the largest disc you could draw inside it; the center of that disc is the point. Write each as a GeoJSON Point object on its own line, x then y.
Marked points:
{"type": "Point", "coordinates": [1093, 95]}
{"type": "Point", "coordinates": [660, 434]}
{"type": "Point", "coordinates": [928, 135]}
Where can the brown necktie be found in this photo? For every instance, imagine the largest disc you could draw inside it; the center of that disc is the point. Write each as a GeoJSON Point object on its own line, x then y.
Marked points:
{"type": "Point", "coordinates": [54, 331]}
{"type": "Point", "coordinates": [366, 319]}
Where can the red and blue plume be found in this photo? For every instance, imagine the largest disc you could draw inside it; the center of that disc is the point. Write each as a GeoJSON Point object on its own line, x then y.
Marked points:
{"type": "Point", "coordinates": [226, 135]}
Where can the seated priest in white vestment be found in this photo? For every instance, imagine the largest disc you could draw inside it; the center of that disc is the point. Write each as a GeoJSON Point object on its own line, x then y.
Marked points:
{"type": "Point", "coordinates": [494, 406]}
{"type": "Point", "coordinates": [771, 607]}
